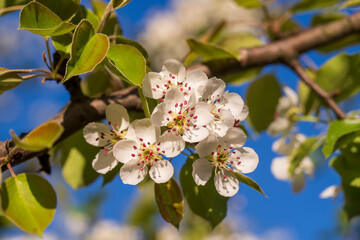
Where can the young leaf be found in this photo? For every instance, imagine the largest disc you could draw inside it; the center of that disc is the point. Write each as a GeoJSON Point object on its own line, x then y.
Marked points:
{"type": "Point", "coordinates": [38, 19]}
{"type": "Point", "coordinates": [42, 137]}
{"type": "Point", "coordinates": [8, 80]}
{"type": "Point", "coordinates": [65, 9]}
{"type": "Point", "coordinates": [350, 3]}
{"type": "Point", "coordinates": [62, 44]}
{"type": "Point", "coordinates": [208, 51]}
{"type": "Point", "coordinates": [119, 3]}
{"type": "Point", "coordinates": [338, 129]}
{"type": "Point", "coordinates": [306, 5]}
{"type": "Point", "coordinates": [87, 51]}
{"type": "Point", "coordinates": [248, 181]}
{"type": "Point", "coordinates": [170, 201]}
{"type": "Point", "coordinates": [112, 25]}
{"type": "Point", "coordinates": [204, 201]}
{"type": "Point", "coordinates": [29, 201]}
{"type": "Point", "coordinates": [262, 98]}
{"type": "Point", "coordinates": [249, 3]}
{"type": "Point", "coordinates": [127, 62]}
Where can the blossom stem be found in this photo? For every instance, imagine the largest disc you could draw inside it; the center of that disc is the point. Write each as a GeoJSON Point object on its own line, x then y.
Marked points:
{"type": "Point", "coordinates": [144, 103]}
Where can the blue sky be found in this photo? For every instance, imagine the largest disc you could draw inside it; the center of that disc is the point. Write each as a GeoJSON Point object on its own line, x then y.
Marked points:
{"type": "Point", "coordinates": [305, 215]}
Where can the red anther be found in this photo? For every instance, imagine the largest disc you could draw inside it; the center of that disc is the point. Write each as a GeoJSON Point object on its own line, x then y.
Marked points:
{"type": "Point", "coordinates": [179, 117]}
{"type": "Point", "coordinates": [106, 154]}
{"type": "Point", "coordinates": [195, 117]}
{"type": "Point", "coordinates": [157, 149]}
{"type": "Point", "coordinates": [185, 102]}
{"type": "Point", "coordinates": [174, 129]}
{"type": "Point", "coordinates": [224, 176]}
{"type": "Point", "coordinates": [139, 155]}
{"type": "Point", "coordinates": [135, 147]}
{"type": "Point", "coordinates": [97, 139]}
{"type": "Point", "coordinates": [141, 139]}
{"type": "Point", "coordinates": [179, 112]}
{"type": "Point", "coordinates": [151, 164]}
{"type": "Point", "coordinates": [168, 119]}
{"type": "Point", "coordinates": [194, 125]}
{"type": "Point", "coordinates": [141, 169]}
{"type": "Point", "coordinates": [156, 159]}
{"type": "Point", "coordinates": [161, 100]}
{"type": "Point", "coordinates": [189, 88]}
{"type": "Point", "coordinates": [133, 155]}
{"type": "Point", "coordinates": [231, 162]}
{"type": "Point", "coordinates": [238, 163]}
{"type": "Point", "coordinates": [222, 162]}
{"type": "Point", "coordinates": [181, 89]}
{"type": "Point", "coordinates": [181, 104]}
{"type": "Point", "coordinates": [163, 151]}
{"type": "Point", "coordinates": [191, 115]}
{"type": "Point", "coordinates": [158, 144]}
{"type": "Point", "coordinates": [148, 143]}
{"type": "Point", "coordinates": [154, 89]}
{"type": "Point", "coordinates": [164, 92]}
{"type": "Point", "coordinates": [115, 125]}
{"type": "Point", "coordinates": [138, 164]}
{"type": "Point", "coordinates": [218, 153]}
{"type": "Point", "coordinates": [186, 84]}
{"type": "Point", "coordinates": [177, 134]}
{"type": "Point", "coordinates": [142, 161]}
{"type": "Point", "coordinates": [169, 112]}
{"type": "Point", "coordinates": [157, 86]}
{"type": "Point", "coordinates": [230, 169]}
{"type": "Point", "coordinates": [109, 123]}
{"type": "Point", "coordinates": [176, 105]}
{"type": "Point", "coordinates": [192, 108]}
{"type": "Point", "coordinates": [144, 145]}
{"type": "Point", "coordinates": [237, 157]}
{"type": "Point", "coordinates": [151, 152]}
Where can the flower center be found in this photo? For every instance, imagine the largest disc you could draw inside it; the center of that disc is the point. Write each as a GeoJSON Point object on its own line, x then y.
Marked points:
{"type": "Point", "coordinates": [112, 138]}
{"type": "Point", "coordinates": [148, 153]}
{"type": "Point", "coordinates": [222, 159]}
{"type": "Point", "coordinates": [180, 120]}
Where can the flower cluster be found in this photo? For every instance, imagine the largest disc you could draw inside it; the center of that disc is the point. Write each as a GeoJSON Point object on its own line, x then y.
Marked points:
{"type": "Point", "coordinates": [192, 110]}
{"type": "Point", "coordinates": [280, 165]}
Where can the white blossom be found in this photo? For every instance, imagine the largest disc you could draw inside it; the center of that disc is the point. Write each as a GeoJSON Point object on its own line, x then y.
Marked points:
{"type": "Point", "coordinates": [106, 136]}
{"type": "Point", "coordinates": [224, 156]}
{"type": "Point", "coordinates": [144, 149]}
{"type": "Point", "coordinates": [331, 191]}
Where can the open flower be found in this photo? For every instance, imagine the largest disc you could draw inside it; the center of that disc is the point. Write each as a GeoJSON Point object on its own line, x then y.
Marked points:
{"type": "Point", "coordinates": [282, 122]}
{"type": "Point", "coordinates": [173, 74]}
{"type": "Point", "coordinates": [224, 156]}
{"type": "Point", "coordinates": [145, 148]}
{"type": "Point", "coordinates": [106, 136]}
{"type": "Point", "coordinates": [280, 165]}
{"type": "Point", "coordinates": [183, 117]}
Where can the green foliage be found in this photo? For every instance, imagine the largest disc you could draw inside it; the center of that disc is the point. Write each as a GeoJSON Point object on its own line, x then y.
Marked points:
{"type": "Point", "coordinates": [204, 201]}
{"type": "Point", "coordinates": [62, 44]}
{"type": "Point", "coordinates": [128, 41]}
{"type": "Point", "coordinates": [97, 82]}
{"type": "Point", "coordinates": [112, 26]}
{"type": "Point", "coordinates": [42, 137]}
{"type": "Point", "coordinates": [208, 51]}
{"type": "Point", "coordinates": [8, 80]}
{"type": "Point", "coordinates": [170, 201]}
{"type": "Point", "coordinates": [76, 156]}
{"type": "Point", "coordinates": [127, 62]}
{"type": "Point", "coordinates": [39, 19]}
{"type": "Point", "coordinates": [65, 9]}
{"type": "Point", "coordinates": [262, 98]}
{"type": "Point", "coordinates": [249, 3]}
{"type": "Point", "coordinates": [87, 14]}
{"type": "Point", "coordinates": [29, 201]}
{"type": "Point", "coordinates": [350, 3]}
{"type": "Point", "coordinates": [338, 129]}
{"type": "Point", "coordinates": [87, 51]}
{"type": "Point", "coordinates": [119, 3]}
{"type": "Point", "coordinates": [248, 181]}
{"type": "Point", "coordinates": [306, 5]}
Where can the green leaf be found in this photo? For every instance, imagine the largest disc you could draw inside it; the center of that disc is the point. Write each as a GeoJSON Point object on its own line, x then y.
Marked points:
{"type": "Point", "coordinates": [170, 201]}
{"type": "Point", "coordinates": [350, 3]}
{"type": "Point", "coordinates": [338, 129]}
{"type": "Point", "coordinates": [97, 83]}
{"type": "Point", "coordinates": [119, 3]}
{"type": "Point", "coordinates": [204, 201]}
{"type": "Point", "coordinates": [208, 51]}
{"type": "Point", "coordinates": [249, 3]}
{"type": "Point", "coordinates": [112, 25]}
{"type": "Point", "coordinates": [29, 201]}
{"type": "Point", "coordinates": [76, 157]}
{"type": "Point", "coordinates": [42, 137]}
{"type": "Point", "coordinates": [65, 9]}
{"type": "Point", "coordinates": [128, 41]}
{"type": "Point", "coordinates": [262, 98]}
{"type": "Point", "coordinates": [38, 19]}
{"type": "Point", "coordinates": [87, 51]}
{"type": "Point", "coordinates": [87, 14]}
{"type": "Point", "coordinates": [304, 150]}
{"type": "Point", "coordinates": [8, 80]}
{"type": "Point", "coordinates": [352, 199]}
{"type": "Point", "coordinates": [127, 62]}
{"type": "Point", "coordinates": [62, 44]}
{"type": "Point", "coordinates": [306, 5]}
{"type": "Point", "coordinates": [7, 6]}
{"type": "Point", "coordinates": [248, 181]}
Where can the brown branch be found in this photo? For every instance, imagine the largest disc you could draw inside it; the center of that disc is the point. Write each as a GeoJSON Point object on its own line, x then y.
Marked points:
{"type": "Point", "coordinates": [295, 65]}
{"type": "Point", "coordinates": [77, 114]}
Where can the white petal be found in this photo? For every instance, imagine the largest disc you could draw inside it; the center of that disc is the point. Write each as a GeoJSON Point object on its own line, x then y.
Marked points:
{"type": "Point", "coordinates": [234, 103]}
{"type": "Point", "coordinates": [125, 151]}
{"type": "Point", "coordinates": [221, 125]}
{"type": "Point", "coordinates": [280, 146]}
{"type": "Point", "coordinates": [235, 137]}
{"type": "Point", "coordinates": [197, 79]}
{"type": "Point", "coordinates": [202, 170]}
{"type": "Point", "coordinates": [195, 134]}
{"type": "Point", "coordinates": [102, 164]}
{"type": "Point", "coordinates": [161, 171]}
{"type": "Point", "coordinates": [202, 113]}
{"type": "Point", "coordinates": [280, 168]}
{"type": "Point", "coordinates": [176, 68]}
{"type": "Point", "coordinates": [330, 192]}
{"type": "Point", "coordinates": [307, 165]}
{"type": "Point", "coordinates": [131, 173]}
{"type": "Point", "coordinates": [298, 181]}
{"type": "Point", "coordinates": [218, 128]}
{"type": "Point", "coordinates": [248, 160]}
{"type": "Point", "coordinates": [244, 113]}
{"type": "Point", "coordinates": [283, 106]}
{"type": "Point", "coordinates": [173, 97]}
{"type": "Point", "coordinates": [117, 114]}
{"type": "Point", "coordinates": [145, 130]}
{"type": "Point", "coordinates": [291, 94]}
{"type": "Point", "coordinates": [153, 85]}
{"type": "Point", "coordinates": [278, 126]}
{"type": "Point", "coordinates": [226, 186]}
{"type": "Point", "coordinates": [92, 133]}
{"type": "Point", "coordinates": [171, 144]}
{"type": "Point", "coordinates": [207, 145]}
{"type": "Point", "coordinates": [214, 88]}
{"type": "Point", "coordinates": [159, 115]}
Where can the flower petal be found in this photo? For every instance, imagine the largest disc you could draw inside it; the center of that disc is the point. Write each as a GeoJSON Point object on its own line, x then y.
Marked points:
{"type": "Point", "coordinates": [221, 124]}
{"type": "Point", "coordinates": [159, 115]}
{"type": "Point", "coordinates": [153, 85]}
{"type": "Point", "coordinates": [104, 163]}
{"type": "Point", "coordinates": [307, 165]}
{"type": "Point", "coordinates": [171, 144]}
{"type": "Point", "coordinates": [174, 67]}
{"type": "Point", "coordinates": [125, 150]}
{"type": "Point", "coordinates": [197, 79]}
{"type": "Point", "coordinates": [202, 114]}
{"type": "Point", "coordinates": [248, 160]}
{"type": "Point", "coordinates": [202, 170]}
{"type": "Point", "coordinates": [291, 94]}
{"type": "Point", "coordinates": [173, 97]}
{"type": "Point", "coordinates": [280, 168]}
{"type": "Point", "coordinates": [161, 171]}
{"type": "Point", "coordinates": [195, 134]}
{"type": "Point", "coordinates": [131, 173]}
{"type": "Point", "coordinates": [214, 88]}
{"type": "Point", "coordinates": [331, 191]}
{"type": "Point", "coordinates": [93, 132]}
{"type": "Point", "coordinates": [226, 185]}
{"type": "Point", "coordinates": [280, 146]}
{"type": "Point", "coordinates": [207, 145]}
{"type": "Point", "coordinates": [234, 103]}
{"type": "Point", "coordinates": [145, 130]}
{"type": "Point", "coordinates": [244, 113]}
{"type": "Point", "coordinates": [235, 137]}
{"type": "Point", "coordinates": [298, 181]}
{"type": "Point", "coordinates": [118, 116]}
{"type": "Point", "coordinates": [279, 125]}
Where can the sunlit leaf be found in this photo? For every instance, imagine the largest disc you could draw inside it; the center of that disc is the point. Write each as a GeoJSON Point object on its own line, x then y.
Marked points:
{"type": "Point", "coordinates": [42, 137]}
{"type": "Point", "coordinates": [204, 201]}
{"type": "Point", "coordinates": [8, 80]}
{"type": "Point", "coordinates": [249, 3]}
{"type": "Point", "coordinates": [62, 44]}
{"type": "Point", "coordinates": [262, 98]}
{"type": "Point", "coordinates": [29, 201]}
{"type": "Point", "coordinates": [127, 62]}
{"type": "Point", "coordinates": [306, 5]}
{"type": "Point", "coordinates": [85, 13]}
{"type": "Point", "coordinates": [248, 181]}
{"type": "Point", "coordinates": [208, 51]}
{"type": "Point", "coordinates": [350, 3]}
{"type": "Point", "coordinates": [65, 9]}
{"type": "Point", "coordinates": [120, 3]}
{"type": "Point", "coordinates": [97, 83]}
{"type": "Point", "coordinates": [170, 201]}
{"type": "Point", "coordinates": [88, 50]}
{"type": "Point", "coordinates": [128, 41]}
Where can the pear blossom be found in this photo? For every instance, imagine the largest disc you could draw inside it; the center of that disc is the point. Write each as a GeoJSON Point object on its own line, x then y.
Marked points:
{"type": "Point", "coordinates": [331, 191]}
{"type": "Point", "coordinates": [224, 156]}
{"type": "Point", "coordinates": [183, 117]}
{"type": "Point", "coordinates": [281, 122]}
{"type": "Point", "coordinates": [145, 148]}
{"type": "Point", "coordinates": [106, 136]}
{"type": "Point", "coordinates": [228, 109]}
{"type": "Point", "coordinates": [280, 165]}
{"type": "Point", "coordinates": [173, 74]}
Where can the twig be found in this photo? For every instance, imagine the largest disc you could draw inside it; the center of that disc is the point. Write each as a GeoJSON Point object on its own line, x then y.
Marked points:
{"type": "Point", "coordinates": [48, 52]}
{"type": "Point", "coordinates": [107, 13]}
